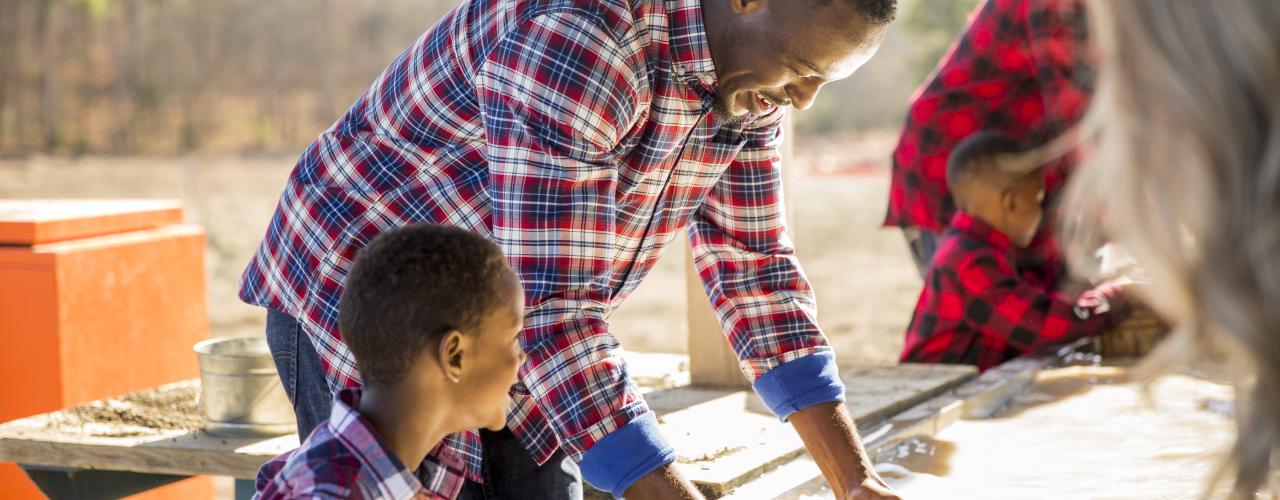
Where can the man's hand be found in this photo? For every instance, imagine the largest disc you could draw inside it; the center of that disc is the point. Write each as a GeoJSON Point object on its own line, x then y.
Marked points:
{"type": "Point", "coordinates": [873, 489]}
{"type": "Point", "coordinates": [664, 483]}
{"type": "Point", "coordinates": [829, 435]}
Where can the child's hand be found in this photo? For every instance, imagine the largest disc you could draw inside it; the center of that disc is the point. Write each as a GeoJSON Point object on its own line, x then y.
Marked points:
{"type": "Point", "coordinates": [1106, 297]}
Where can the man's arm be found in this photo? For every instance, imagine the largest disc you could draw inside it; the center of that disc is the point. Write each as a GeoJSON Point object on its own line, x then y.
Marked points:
{"type": "Point", "coordinates": [559, 93]}
{"type": "Point", "coordinates": [766, 307]}
{"type": "Point", "coordinates": [832, 440]}
{"type": "Point", "coordinates": [665, 483]}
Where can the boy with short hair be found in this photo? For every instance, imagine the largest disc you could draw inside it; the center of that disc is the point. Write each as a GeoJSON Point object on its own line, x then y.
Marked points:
{"type": "Point", "coordinates": [431, 315]}
{"type": "Point", "coordinates": [975, 309]}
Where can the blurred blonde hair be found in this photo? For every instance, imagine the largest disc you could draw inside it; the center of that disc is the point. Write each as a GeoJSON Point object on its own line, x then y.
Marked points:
{"type": "Point", "coordinates": [1186, 177]}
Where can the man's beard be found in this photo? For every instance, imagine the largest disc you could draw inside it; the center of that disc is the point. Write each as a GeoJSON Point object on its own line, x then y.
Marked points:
{"type": "Point", "coordinates": [720, 108]}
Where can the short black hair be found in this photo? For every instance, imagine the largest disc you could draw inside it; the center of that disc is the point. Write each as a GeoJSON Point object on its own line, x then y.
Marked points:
{"type": "Point", "coordinates": [409, 287]}
{"type": "Point", "coordinates": [967, 162]}
{"type": "Point", "coordinates": [876, 12]}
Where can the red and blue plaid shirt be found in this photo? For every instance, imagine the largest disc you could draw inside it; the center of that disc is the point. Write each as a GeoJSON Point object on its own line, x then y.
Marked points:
{"type": "Point", "coordinates": [975, 309]}
{"type": "Point", "coordinates": [576, 135]}
{"type": "Point", "coordinates": [342, 458]}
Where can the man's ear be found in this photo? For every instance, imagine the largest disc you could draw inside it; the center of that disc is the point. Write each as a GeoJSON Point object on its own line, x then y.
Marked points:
{"type": "Point", "coordinates": [452, 347]}
{"type": "Point", "coordinates": [745, 6]}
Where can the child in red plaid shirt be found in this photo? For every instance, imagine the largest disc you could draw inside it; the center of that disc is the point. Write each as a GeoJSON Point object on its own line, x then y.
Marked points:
{"type": "Point", "coordinates": [431, 315]}
{"type": "Point", "coordinates": [975, 309]}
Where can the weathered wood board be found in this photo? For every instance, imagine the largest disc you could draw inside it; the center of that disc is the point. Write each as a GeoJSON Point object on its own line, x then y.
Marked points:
{"type": "Point", "coordinates": [978, 397]}
{"type": "Point", "coordinates": [32, 441]}
{"type": "Point", "coordinates": [725, 438]}
{"type": "Point", "coordinates": [38, 440]}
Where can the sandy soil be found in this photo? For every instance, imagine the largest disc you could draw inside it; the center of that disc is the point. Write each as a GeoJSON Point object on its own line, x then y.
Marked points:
{"type": "Point", "coordinates": [863, 275]}
{"type": "Point", "coordinates": [172, 407]}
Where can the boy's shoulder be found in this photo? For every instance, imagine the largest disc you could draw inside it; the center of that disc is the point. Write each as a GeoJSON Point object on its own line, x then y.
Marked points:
{"type": "Point", "coordinates": [958, 250]}
{"type": "Point", "coordinates": [342, 458]}
{"type": "Point", "coordinates": [321, 466]}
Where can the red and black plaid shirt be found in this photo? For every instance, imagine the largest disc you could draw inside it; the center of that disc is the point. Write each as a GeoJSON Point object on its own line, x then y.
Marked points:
{"type": "Point", "coordinates": [976, 310]}
{"type": "Point", "coordinates": [1021, 67]}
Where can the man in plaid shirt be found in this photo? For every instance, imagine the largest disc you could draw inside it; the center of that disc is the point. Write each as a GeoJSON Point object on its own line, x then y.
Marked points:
{"type": "Point", "coordinates": [581, 137]}
{"type": "Point", "coordinates": [975, 308]}
{"type": "Point", "coordinates": [1021, 67]}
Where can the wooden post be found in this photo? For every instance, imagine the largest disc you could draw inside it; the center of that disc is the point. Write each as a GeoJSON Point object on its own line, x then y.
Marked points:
{"type": "Point", "coordinates": [711, 361]}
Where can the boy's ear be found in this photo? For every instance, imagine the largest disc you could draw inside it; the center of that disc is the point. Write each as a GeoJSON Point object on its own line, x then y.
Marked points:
{"type": "Point", "coordinates": [452, 348]}
{"type": "Point", "coordinates": [1009, 200]}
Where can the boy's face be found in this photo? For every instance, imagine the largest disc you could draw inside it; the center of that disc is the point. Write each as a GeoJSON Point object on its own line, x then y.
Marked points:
{"type": "Point", "coordinates": [1022, 208]}
{"type": "Point", "coordinates": [495, 357]}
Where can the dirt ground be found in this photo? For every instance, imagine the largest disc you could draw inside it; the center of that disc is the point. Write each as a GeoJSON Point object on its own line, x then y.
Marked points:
{"type": "Point", "coordinates": [863, 275]}
{"type": "Point", "coordinates": [172, 407]}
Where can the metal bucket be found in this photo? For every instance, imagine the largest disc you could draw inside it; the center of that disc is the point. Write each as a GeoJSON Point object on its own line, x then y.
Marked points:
{"type": "Point", "coordinates": [240, 392]}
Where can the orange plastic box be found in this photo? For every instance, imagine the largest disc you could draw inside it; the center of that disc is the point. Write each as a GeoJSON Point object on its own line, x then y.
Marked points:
{"type": "Point", "coordinates": [97, 298]}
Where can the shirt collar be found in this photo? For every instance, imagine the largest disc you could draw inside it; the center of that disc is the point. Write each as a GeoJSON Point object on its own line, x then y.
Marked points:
{"type": "Point", "coordinates": [393, 479]}
{"type": "Point", "coordinates": [690, 50]}
{"type": "Point", "coordinates": [975, 228]}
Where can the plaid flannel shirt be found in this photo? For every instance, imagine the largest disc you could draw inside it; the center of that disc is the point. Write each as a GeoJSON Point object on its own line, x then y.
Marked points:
{"type": "Point", "coordinates": [342, 458]}
{"type": "Point", "coordinates": [1021, 67]}
{"type": "Point", "coordinates": [576, 135]}
{"type": "Point", "coordinates": [975, 309]}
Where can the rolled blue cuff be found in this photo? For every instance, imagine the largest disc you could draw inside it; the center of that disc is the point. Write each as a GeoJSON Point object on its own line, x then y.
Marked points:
{"type": "Point", "coordinates": [625, 455]}
{"type": "Point", "coordinates": [801, 383]}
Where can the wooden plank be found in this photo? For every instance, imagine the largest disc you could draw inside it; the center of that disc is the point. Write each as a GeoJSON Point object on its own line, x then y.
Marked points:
{"type": "Point", "coordinates": [721, 442]}
{"type": "Point", "coordinates": [32, 441]}
{"type": "Point", "coordinates": [978, 397]}
{"type": "Point", "coordinates": [725, 438]}
{"type": "Point", "coordinates": [711, 362]}
{"type": "Point", "coordinates": [82, 440]}
{"type": "Point", "coordinates": [875, 393]}
{"type": "Point", "coordinates": [41, 440]}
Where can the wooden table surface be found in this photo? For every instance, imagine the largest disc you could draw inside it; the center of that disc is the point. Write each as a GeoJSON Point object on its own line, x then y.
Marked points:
{"type": "Point", "coordinates": [723, 437]}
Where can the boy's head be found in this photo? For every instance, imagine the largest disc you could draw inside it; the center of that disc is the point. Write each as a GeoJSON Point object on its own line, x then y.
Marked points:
{"type": "Point", "coordinates": [982, 182]}
{"type": "Point", "coordinates": [437, 309]}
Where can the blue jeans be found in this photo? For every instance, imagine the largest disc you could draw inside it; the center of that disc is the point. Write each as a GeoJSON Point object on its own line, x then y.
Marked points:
{"type": "Point", "coordinates": [923, 244]}
{"type": "Point", "coordinates": [300, 371]}
{"type": "Point", "coordinates": [508, 469]}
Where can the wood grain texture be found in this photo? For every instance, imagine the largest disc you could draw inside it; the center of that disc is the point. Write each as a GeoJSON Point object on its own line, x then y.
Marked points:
{"type": "Point", "coordinates": [30, 441]}
{"type": "Point", "coordinates": [725, 438]}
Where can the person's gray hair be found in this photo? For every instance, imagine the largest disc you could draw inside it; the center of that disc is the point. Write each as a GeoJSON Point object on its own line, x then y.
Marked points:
{"type": "Point", "coordinates": [1186, 178]}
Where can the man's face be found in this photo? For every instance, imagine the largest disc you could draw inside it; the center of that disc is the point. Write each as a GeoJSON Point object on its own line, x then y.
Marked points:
{"type": "Point", "coordinates": [781, 52]}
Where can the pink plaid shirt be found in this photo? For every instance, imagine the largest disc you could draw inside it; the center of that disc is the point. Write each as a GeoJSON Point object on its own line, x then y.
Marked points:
{"type": "Point", "coordinates": [576, 135]}
{"type": "Point", "coordinates": [342, 458]}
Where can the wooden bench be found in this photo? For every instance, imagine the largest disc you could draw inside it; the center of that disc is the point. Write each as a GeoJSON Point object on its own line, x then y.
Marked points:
{"type": "Point", "coordinates": [724, 437]}
{"type": "Point", "coordinates": [68, 457]}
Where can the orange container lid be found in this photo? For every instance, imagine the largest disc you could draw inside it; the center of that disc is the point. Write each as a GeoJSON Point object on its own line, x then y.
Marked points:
{"type": "Point", "coordinates": [32, 222]}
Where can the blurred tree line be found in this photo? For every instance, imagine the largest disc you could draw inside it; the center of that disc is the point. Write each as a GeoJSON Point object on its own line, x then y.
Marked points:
{"type": "Point", "coordinates": [877, 95]}
{"type": "Point", "coordinates": [139, 76]}
{"type": "Point", "coordinates": [165, 76]}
